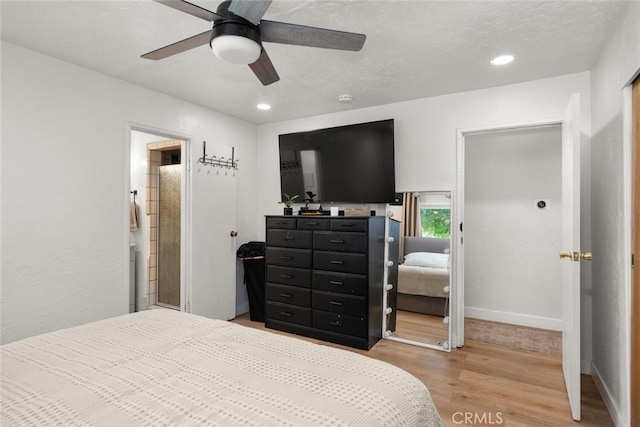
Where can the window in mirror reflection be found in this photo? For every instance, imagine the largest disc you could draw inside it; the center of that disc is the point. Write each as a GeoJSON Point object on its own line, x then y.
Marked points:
{"type": "Point", "coordinates": [435, 214]}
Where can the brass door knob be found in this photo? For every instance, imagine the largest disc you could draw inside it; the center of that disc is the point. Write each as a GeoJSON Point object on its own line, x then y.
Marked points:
{"type": "Point", "coordinates": [576, 256]}
{"type": "Point", "coordinates": [233, 233]}
{"type": "Point", "coordinates": [565, 254]}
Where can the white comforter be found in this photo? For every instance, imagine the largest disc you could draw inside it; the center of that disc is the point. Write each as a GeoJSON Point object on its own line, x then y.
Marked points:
{"type": "Point", "coordinates": [425, 281]}
{"type": "Point", "coordinates": [166, 368]}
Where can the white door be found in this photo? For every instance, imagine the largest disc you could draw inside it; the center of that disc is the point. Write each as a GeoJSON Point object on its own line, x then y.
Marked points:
{"type": "Point", "coordinates": [570, 253]}
{"type": "Point", "coordinates": [212, 290]}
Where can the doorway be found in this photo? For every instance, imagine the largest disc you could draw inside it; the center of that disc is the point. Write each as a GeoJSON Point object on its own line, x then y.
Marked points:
{"type": "Point", "coordinates": [158, 175]}
{"type": "Point", "coordinates": [512, 231]}
{"type": "Point", "coordinates": [570, 254]}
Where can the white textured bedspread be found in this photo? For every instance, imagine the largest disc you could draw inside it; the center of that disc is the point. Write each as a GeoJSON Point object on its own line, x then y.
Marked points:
{"type": "Point", "coordinates": [424, 281]}
{"type": "Point", "coordinates": [166, 368]}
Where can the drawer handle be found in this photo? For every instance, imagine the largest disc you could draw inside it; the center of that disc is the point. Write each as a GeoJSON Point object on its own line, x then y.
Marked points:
{"type": "Point", "coordinates": [281, 222]}
{"type": "Point", "coordinates": [312, 223]}
{"type": "Point", "coordinates": [333, 261]}
{"type": "Point", "coordinates": [286, 257]}
{"type": "Point", "coordinates": [336, 241]}
{"type": "Point", "coordinates": [348, 224]}
{"type": "Point", "coordinates": [335, 282]}
{"type": "Point", "coordinates": [289, 238]}
{"type": "Point", "coordinates": [335, 303]}
{"type": "Point", "coordinates": [285, 295]}
{"type": "Point", "coordinates": [336, 323]}
{"type": "Point", "coordinates": [286, 313]}
{"type": "Point", "coordinates": [287, 276]}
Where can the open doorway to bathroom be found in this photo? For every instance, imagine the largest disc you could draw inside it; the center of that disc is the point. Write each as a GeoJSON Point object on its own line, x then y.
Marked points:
{"type": "Point", "coordinates": [158, 171]}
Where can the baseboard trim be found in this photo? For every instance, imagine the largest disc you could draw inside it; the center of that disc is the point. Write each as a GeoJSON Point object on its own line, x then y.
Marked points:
{"type": "Point", "coordinates": [514, 318]}
{"type": "Point", "coordinates": [618, 419]}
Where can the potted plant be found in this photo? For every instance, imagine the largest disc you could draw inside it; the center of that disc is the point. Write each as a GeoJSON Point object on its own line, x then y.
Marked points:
{"type": "Point", "coordinates": [309, 199]}
{"type": "Point", "coordinates": [288, 201]}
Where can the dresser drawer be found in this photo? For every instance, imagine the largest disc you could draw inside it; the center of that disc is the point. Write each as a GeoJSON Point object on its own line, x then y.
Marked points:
{"type": "Point", "coordinates": [288, 257]}
{"type": "Point", "coordinates": [339, 241]}
{"type": "Point", "coordinates": [313, 223]}
{"type": "Point", "coordinates": [287, 223]}
{"type": "Point", "coordinates": [289, 238]}
{"type": "Point", "coordinates": [289, 313]}
{"type": "Point", "coordinates": [289, 276]}
{"type": "Point", "coordinates": [340, 323]}
{"type": "Point", "coordinates": [293, 295]}
{"type": "Point", "coordinates": [340, 261]}
{"type": "Point", "coordinates": [348, 225]}
{"type": "Point", "coordinates": [346, 283]}
{"type": "Point", "coordinates": [340, 303]}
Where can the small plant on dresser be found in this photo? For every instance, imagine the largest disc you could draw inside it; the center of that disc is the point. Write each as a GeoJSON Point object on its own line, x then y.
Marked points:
{"type": "Point", "coordinates": [288, 202]}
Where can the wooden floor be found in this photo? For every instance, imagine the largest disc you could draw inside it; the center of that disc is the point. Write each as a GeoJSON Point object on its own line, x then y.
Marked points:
{"type": "Point", "coordinates": [506, 386]}
{"type": "Point", "coordinates": [421, 327]}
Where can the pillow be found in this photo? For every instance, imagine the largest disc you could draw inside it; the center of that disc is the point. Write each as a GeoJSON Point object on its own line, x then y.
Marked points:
{"type": "Point", "coordinates": [427, 259]}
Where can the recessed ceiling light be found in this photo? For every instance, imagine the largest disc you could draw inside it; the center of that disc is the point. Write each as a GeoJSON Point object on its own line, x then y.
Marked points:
{"type": "Point", "coordinates": [502, 60]}
{"type": "Point", "coordinates": [263, 107]}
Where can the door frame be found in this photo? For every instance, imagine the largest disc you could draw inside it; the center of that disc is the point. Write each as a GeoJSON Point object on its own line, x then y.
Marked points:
{"type": "Point", "coordinates": [457, 292]}
{"type": "Point", "coordinates": [630, 275]}
{"type": "Point", "coordinates": [185, 219]}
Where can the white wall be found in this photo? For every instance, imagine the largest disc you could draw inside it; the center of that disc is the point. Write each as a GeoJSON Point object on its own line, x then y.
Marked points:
{"type": "Point", "coordinates": [511, 267]}
{"type": "Point", "coordinates": [426, 132]}
{"type": "Point", "coordinates": [65, 187]}
{"type": "Point", "coordinates": [617, 64]}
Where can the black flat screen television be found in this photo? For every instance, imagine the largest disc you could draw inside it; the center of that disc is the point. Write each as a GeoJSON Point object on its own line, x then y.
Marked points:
{"type": "Point", "coordinates": [346, 164]}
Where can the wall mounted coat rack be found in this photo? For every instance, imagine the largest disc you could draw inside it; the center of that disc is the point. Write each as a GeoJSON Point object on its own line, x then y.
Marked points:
{"type": "Point", "coordinates": [230, 163]}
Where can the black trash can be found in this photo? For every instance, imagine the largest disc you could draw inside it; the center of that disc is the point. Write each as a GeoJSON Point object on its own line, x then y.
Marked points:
{"type": "Point", "coordinates": [252, 256]}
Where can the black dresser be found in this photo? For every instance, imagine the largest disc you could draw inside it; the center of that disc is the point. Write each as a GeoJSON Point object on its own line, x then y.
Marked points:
{"type": "Point", "coordinates": [325, 277]}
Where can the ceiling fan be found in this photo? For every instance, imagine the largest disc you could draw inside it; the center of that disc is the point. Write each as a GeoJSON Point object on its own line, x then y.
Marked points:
{"type": "Point", "coordinates": [239, 30]}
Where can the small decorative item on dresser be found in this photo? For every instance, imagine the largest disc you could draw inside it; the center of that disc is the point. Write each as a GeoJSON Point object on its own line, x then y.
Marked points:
{"type": "Point", "coordinates": [288, 201]}
{"type": "Point", "coordinates": [357, 211]}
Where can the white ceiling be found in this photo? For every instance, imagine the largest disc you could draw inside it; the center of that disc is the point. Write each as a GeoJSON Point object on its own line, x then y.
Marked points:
{"type": "Point", "coordinates": [414, 49]}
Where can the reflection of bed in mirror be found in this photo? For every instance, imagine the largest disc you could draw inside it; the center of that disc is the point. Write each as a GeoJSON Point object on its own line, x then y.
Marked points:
{"type": "Point", "coordinates": [423, 276]}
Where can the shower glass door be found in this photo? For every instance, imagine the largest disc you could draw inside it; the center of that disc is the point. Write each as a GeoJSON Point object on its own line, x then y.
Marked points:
{"type": "Point", "coordinates": [169, 202]}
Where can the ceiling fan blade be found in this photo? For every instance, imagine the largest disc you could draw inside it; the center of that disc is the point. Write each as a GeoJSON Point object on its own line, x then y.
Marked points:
{"type": "Point", "coordinates": [300, 35]}
{"type": "Point", "coordinates": [264, 69]}
{"type": "Point", "coordinates": [251, 10]}
{"type": "Point", "coordinates": [190, 8]}
{"type": "Point", "coordinates": [179, 47]}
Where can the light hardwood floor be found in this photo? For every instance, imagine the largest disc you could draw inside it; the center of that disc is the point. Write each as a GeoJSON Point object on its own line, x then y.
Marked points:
{"type": "Point", "coordinates": [516, 387]}
{"type": "Point", "coordinates": [421, 327]}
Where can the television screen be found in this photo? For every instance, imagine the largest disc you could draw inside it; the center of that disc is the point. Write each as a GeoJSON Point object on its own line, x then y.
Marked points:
{"type": "Point", "coordinates": [346, 164]}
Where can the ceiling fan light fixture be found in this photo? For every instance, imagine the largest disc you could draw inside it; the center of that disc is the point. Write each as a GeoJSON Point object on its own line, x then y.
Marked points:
{"type": "Point", "coordinates": [236, 49]}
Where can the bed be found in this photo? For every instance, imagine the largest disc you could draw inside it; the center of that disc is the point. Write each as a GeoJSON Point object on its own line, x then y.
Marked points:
{"type": "Point", "coordinates": [423, 275]}
{"type": "Point", "coordinates": [167, 368]}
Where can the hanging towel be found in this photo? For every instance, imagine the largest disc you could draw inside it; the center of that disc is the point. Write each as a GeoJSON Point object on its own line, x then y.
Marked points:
{"type": "Point", "coordinates": [133, 217]}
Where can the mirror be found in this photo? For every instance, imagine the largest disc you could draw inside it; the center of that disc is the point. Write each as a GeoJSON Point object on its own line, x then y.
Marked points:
{"type": "Point", "coordinates": [418, 305]}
